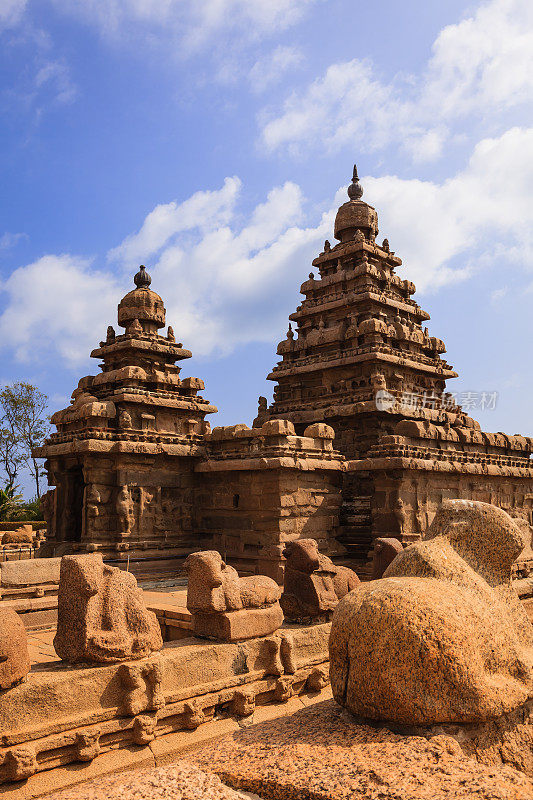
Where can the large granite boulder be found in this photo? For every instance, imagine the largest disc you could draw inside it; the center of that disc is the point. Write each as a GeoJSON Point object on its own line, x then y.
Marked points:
{"type": "Point", "coordinates": [14, 659]}
{"type": "Point", "coordinates": [442, 637]}
{"type": "Point", "coordinates": [101, 613]}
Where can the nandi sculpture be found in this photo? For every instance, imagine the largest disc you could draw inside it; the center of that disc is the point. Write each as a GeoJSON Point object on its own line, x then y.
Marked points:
{"type": "Point", "coordinates": [226, 607]}
{"type": "Point", "coordinates": [442, 637]}
{"type": "Point", "coordinates": [313, 584]}
{"type": "Point", "coordinates": [101, 613]}
{"type": "Point", "coordinates": [385, 551]}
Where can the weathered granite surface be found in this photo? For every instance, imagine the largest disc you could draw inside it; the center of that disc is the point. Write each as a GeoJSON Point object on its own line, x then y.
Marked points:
{"type": "Point", "coordinates": [14, 659]}
{"type": "Point", "coordinates": [442, 637]}
{"type": "Point", "coordinates": [181, 781]}
{"type": "Point", "coordinates": [101, 613]}
{"type": "Point", "coordinates": [322, 753]}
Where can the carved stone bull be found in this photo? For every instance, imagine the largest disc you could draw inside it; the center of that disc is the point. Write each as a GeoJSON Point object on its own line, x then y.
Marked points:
{"type": "Point", "coordinates": [313, 584]}
{"type": "Point", "coordinates": [227, 607]}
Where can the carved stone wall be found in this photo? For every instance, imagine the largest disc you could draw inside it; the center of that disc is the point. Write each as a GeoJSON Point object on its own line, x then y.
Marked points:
{"type": "Point", "coordinates": [259, 488]}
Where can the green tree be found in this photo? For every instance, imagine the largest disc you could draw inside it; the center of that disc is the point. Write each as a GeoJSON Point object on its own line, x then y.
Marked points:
{"type": "Point", "coordinates": [23, 408]}
{"type": "Point", "coordinates": [10, 501]}
{"type": "Point", "coordinates": [11, 456]}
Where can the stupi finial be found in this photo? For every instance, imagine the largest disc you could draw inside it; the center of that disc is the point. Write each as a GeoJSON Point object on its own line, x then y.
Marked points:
{"type": "Point", "coordinates": [355, 190]}
{"type": "Point", "coordinates": [142, 279]}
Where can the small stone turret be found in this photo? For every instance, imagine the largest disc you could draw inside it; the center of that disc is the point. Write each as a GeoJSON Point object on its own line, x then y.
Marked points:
{"type": "Point", "coordinates": [356, 215]}
{"type": "Point", "coordinates": [142, 304]}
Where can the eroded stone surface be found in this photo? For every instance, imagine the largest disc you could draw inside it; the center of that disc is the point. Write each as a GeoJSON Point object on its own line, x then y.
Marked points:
{"type": "Point", "coordinates": [181, 781]}
{"type": "Point", "coordinates": [322, 753]}
{"type": "Point", "coordinates": [101, 613]}
{"type": "Point", "coordinates": [442, 637]}
{"type": "Point", "coordinates": [14, 659]}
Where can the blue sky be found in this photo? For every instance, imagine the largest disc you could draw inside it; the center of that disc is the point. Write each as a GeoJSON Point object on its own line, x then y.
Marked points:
{"type": "Point", "coordinates": [212, 141]}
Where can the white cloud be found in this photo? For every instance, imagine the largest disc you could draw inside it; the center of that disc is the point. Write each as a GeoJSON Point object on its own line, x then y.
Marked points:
{"type": "Point", "coordinates": [194, 24]}
{"type": "Point", "coordinates": [222, 284]}
{"type": "Point", "coordinates": [228, 280]}
{"type": "Point", "coordinates": [482, 214]}
{"type": "Point", "coordinates": [9, 240]}
{"type": "Point", "coordinates": [204, 210]}
{"type": "Point", "coordinates": [221, 278]}
{"type": "Point", "coordinates": [270, 69]}
{"type": "Point", "coordinates": [480, 66]}
{"type": "Point", "coordinates": [55, 77]}
{"type": "Point", "coordinates": [55, 304]}
{"type": "Point", "coordinates": [11, 12]}
{"type": "Point", "coordinates": [498, 294]}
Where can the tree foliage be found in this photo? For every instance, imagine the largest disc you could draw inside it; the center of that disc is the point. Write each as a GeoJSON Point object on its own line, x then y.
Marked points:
{"type": "Point", "coordinates": [10, 502]}
{"type": "Point", "coordinates": [23, 424]}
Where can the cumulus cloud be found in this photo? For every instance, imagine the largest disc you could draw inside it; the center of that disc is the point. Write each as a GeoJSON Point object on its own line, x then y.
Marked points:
{"type": "Point", "coordinates": [480, 66]}
{"type": "Point", "coordinates": [204, 210]}
{"type": "Point", "coordinates": [54, 304]}
{"type": "Point", "coordinates": [228, 279]}
{"type": "Point", "coordinates": [222, 283]}
{"type": "Point", "coordinates": [446, 231]}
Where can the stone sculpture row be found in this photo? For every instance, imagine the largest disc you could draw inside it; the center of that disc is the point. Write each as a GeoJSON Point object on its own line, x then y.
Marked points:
{"type": "Point", "coordinates": [441, 638]}
{"type": "Point", "coordinates": [102, 617]}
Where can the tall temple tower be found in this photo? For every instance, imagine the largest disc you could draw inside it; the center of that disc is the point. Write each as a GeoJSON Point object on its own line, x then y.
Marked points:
{"type": "Point", "coordinates": [124, 454]}
{"type": "Point", "coordinates": [360, 344]}
{"type": "Point", "coordinates": [361, 361]}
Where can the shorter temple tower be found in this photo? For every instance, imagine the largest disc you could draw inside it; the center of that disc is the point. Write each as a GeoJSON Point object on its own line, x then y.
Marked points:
{"type": "Point", "coordinates": [123, 457]}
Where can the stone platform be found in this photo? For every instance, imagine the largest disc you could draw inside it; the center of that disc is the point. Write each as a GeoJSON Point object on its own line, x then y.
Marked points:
{"type": "Point", "coordinates": [66, 724]}
{"type": "Point", "coordinates": [324, 753]}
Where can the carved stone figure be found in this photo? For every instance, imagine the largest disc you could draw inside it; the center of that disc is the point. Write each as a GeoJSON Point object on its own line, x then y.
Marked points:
{"type": "Point", "coordinates": [110, 334]}
{"type": "Point", "coordinates": [142, 683]}
{"type": "Point", "coordinates": [170, 334]}
{"type": "Point", "coordinates": [14, 659]}
{"type": "Point", "coordinates": [227, 607]}
{"type": "Point", "coordinates": [93, 500]}
{"type": "Point", "coordinates": [313, 584]}
{"type": "Point", "coordinates": [135, 328]}
{"type": "Point", "coordinates": [401, 515]}
{"type": "Point", "coordinates": [101, 613]}
{"type": "Point", "coordinates": [385, 551]}
{"type": "Point", "coordinates": [124, 508]}
{"type": "Point", "coordinates": [124, 420]}
{"type": "Point", "coordinates": [443, 636]}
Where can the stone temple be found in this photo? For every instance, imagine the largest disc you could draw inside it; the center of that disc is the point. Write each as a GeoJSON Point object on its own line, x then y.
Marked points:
{"type": "Point", "coordinates": [361, 441]}
{"type": "Point", "coordinates": [274, 667]}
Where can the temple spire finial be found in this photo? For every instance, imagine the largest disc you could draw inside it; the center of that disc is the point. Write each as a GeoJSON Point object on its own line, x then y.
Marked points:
{"type": "Point", "coordinates": [142, 279]}
{"type": "Point", "coordinates": [355, 190]}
